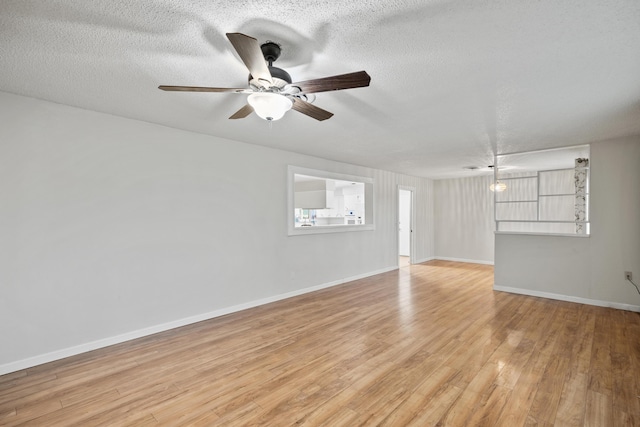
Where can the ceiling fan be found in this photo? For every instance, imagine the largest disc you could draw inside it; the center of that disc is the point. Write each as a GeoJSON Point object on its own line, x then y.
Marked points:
{"type": "Point", "coordinates": [271, 93]}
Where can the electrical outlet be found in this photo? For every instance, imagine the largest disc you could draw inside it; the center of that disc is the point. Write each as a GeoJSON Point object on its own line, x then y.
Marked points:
{"type": "Point", "coordinates": [627, 276]}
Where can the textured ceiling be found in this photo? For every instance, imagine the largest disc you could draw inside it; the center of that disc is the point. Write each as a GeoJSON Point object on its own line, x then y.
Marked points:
{"type": "Point", "coordinates": [452, 82]}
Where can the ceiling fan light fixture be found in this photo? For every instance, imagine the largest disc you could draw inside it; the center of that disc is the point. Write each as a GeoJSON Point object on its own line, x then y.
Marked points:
{"type": "Point", "coordinates": [269, 106]}
{"type": "Point", "coordinates": [271, 89]}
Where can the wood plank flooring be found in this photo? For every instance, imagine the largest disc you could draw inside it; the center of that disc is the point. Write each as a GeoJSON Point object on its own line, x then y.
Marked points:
{"type": "Point", "coordinates": [430, 344]}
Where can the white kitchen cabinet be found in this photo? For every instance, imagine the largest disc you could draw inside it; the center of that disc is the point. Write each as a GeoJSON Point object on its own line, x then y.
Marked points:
{"type": "Point", "coordinates": [315, 194]}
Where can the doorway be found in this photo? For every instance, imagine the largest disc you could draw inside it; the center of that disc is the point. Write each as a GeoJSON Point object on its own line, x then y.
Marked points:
{"type": "Point", "coordinates": [405, 226]}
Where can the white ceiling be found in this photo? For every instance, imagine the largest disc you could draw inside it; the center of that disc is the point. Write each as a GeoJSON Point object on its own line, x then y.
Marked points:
{"type": "Point", "coordinates": [452, 82]}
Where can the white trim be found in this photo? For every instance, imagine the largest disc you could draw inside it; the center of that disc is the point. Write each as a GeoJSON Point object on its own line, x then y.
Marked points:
{"type": "Point", "coordinates": [471, 261]}
{"type": "Point", "coordinates": [531, 233]}
{"type": "Point", "coordinates": [105, 342]}
{"type": "Point", "coordinates": [569, 298]}
{"type": "Point", "coordinates": [369, 190]}
{"type": "Point", "coordinates": [544, 150]}
{"type": "Point", "coordinates": [412, 225]}
{"type": "Point", "coordinates": [322, 229]}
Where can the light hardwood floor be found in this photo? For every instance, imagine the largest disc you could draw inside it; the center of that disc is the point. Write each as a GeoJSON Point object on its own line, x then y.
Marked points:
{"type": "Point", "coordinates": [431, 344]}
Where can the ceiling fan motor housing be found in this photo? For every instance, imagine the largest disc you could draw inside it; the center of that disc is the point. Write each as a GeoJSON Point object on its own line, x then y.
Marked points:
{"type": "Point", "coordinates": [281, 74]}
{"type": "Point", "coordinates": [280, 77]}
{"type": "Point", "coordinates": [271, 52]}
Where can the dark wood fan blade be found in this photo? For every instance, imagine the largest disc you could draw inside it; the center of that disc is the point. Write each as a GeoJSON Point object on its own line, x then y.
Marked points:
{"type": "Point", "coordinates": [243, 112]}
{"type": "Point", "coordinates": [204, 89]}
{"type": "Point", "coordinates": [343, 81]}
{"type": "Point", "coordinates": [310, 110]}
{"type": "Point", "coordinates": [249, 50]}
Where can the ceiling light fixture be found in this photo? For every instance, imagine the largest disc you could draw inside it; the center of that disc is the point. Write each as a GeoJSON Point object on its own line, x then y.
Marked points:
{"type": "Point", "coordinates": [269, 106]}
{"type": "Point", "coordinates": [498, 187]}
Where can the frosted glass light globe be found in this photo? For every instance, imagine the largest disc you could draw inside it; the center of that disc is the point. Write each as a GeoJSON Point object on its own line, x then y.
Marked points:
{"type": "Point", "coordinates": [269, 106]}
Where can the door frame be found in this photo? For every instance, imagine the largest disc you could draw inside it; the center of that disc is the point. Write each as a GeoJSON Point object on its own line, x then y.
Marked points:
{"type": "Point", "coordinates": [412, 213]}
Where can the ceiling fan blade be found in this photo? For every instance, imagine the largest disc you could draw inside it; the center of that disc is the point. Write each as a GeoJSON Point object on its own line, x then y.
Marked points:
{"type": "Point", "coordinates": [343, 81]}
{"type": "Point", "coordinates": [249, 50]}
{"type": "Point", "coordinates": [243, 112]}
{"type": "Point", "coordinates": [204, 89]}
{"type": "Point", "coordinates": [310, 110]}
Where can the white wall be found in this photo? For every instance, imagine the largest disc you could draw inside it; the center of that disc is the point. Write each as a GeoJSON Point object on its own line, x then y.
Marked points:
{"type": "Point", "coordinates": [112, 228]}
{"type": "Point", "coordinates": [463, 219]}
{"type": "Point", "coordinates": [586, 269]}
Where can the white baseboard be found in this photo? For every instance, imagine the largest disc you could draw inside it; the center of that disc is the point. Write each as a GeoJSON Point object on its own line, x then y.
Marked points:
{"type": "Point", "coordinates": [472, 261]}
{"type": "Point", "coordinates": [105, 342]}
{"type": "Point", "coordinates": [420, 261]}
{"type": "Point", "coordinates": [569, 298]}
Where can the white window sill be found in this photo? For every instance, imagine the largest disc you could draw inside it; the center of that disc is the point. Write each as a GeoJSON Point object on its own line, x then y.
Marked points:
{"type": "Point", "coordinates": [527, 233]}
{"type": "Point", "coordinates": [321, 229]}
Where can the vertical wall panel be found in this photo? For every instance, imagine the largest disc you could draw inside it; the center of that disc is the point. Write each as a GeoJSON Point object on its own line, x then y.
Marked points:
{"type": "Point", "coordinates": [464, 222]}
